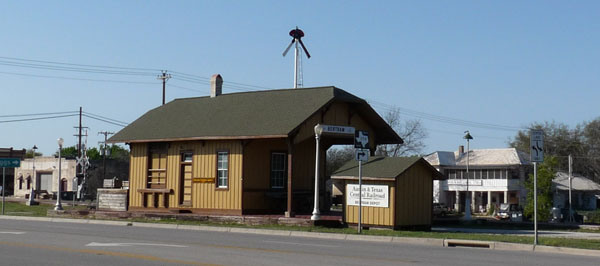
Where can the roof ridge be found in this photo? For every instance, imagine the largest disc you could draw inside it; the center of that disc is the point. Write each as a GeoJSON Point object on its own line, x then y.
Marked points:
{"type": "Point", "coordinates": [259, 91]}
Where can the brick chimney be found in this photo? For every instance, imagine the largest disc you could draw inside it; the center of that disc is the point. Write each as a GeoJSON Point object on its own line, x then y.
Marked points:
{"type": "Point", "coordinates": [461, 150]}
{"type": "Point", "coordinates": [216, 85]}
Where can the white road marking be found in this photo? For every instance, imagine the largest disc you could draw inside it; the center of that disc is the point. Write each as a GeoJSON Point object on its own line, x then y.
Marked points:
{"type": "Point", "coordinates": [301, 244]}
{"type": "Point", "coordinates": [96, 244]}
{"type": "Point", "coordinates": [13, 233]}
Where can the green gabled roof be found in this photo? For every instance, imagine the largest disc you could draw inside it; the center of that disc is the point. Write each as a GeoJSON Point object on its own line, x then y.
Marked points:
{"type": "Point", "coordinates": [382, 167]}
{"type": "Point", "coordinates": [272, 113]}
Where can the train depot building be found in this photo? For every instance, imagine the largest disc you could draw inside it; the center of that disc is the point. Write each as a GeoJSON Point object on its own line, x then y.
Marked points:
{"type": "Point", "coordinates": [241, 153]}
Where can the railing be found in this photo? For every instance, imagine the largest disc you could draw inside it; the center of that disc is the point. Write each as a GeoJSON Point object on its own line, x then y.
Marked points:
{"type": "Point", "coordinates": [481, 184]}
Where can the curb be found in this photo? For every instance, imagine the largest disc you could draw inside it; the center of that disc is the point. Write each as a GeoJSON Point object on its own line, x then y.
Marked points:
{"type": "Point", "coordinates": [438, 242]}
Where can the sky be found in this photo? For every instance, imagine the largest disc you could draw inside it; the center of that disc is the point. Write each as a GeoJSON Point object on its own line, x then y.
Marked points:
{"type": "Point", "coordinates": [487, 67]}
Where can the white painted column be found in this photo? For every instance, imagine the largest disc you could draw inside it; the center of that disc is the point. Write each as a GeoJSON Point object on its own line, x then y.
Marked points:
{"type": "Point", "coordinates": [473, 202]}
{"type": "Point", "coordinates": [505, 196]}
{"type": "Point", "coordinates": [489, 201]}
{"type": "Point", "coordinates": [457, 201]}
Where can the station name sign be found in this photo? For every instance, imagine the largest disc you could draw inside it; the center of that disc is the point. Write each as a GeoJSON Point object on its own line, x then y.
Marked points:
{"type": "Point", "coordinates": [372, 195]}
{"type": "Point", "coordinates": [337, 129]}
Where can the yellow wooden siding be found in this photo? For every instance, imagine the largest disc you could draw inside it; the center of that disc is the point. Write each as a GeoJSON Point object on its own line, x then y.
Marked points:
{"type": "Point", "coordinates": [137, 173]}
{"type": "Point", "coordinates": [257, 171]}
{"type": "Point", "coordinates": [335, 114]}
{"type": "Point", "coordinates": [376, 216]}
{"type": "Point", "coordinates": [415, 196]}
{"type": "Point", "coordinates": [204, 195]}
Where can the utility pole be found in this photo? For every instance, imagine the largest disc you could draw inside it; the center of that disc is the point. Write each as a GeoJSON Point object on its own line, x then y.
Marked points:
{"type": "Point", "coordinates": [79, 167]}
{"type": "Point", "coordinates": [164, 77]}
{"type": "Point", "coordinates": [570, 187]}
{"type": "Point", "coordinates": [105, 133]}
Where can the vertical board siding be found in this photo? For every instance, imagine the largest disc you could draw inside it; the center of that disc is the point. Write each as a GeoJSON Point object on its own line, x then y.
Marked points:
{"type": "Point", "coordinates": [336, 114]}
{"type": "Point", "coordinates": [415, 196]}
{"type": "Point", "coordinates": [204, 195]}
{"type": "Point", "coordinates": [137, 173]}
{"type": "Point", "coordinates": [372, 215]}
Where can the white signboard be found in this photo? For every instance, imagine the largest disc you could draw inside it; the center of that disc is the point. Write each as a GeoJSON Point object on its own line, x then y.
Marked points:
{"type": "Point", "coordinates": [337, 129]}
{"type": "Point", "coordinates": [537, 145]}
{"type": "Point", "coordinates": [361, 155]}
{"type": "Point", "coordinates": [372, 195]}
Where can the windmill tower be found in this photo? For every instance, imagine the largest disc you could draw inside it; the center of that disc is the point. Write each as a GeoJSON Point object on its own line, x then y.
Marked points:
{"type": "Point", "coordinates": [297, 35]}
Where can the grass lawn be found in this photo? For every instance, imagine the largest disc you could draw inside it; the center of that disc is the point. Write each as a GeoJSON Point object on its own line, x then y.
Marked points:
{"type": "Point", "coordinates": [19, 209]}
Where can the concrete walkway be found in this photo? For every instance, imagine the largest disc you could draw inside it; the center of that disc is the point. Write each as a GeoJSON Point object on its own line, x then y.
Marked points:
{"type": "Point", "coordinates": [545, 233]}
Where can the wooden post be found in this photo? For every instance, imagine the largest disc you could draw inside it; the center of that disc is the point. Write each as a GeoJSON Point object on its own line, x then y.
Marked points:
{"type": "Point", "coordinates": [290, 144]}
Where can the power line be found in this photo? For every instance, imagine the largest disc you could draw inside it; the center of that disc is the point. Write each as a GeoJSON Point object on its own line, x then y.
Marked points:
{"type": "Point", "coordinates": [233, 83]}
{"type": "Point", "coordinates": [104, 120]}
{"type": "Point", "coordinates": [73, 69]}
{"type": "Point", "coordinates": [82, 79]}
{"type": "Point", "coordinates": [445, 119]}
{"type": "Point", "coordinates": [71, 64]}
{"type": "Point", "coordinates": [37, 118]}
{"type": "Point", "coordinates": [107, 118]}
{"type": "Point", "coordinates": [38, 114]}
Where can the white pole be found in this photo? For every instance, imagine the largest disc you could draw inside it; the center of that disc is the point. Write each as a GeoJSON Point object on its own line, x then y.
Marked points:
{"type": "Point", "coordinates": [296, 64]}
{"type": "Point", "coordinates": [535, 230]}
{"type": "Point", "coordinates": [468, 199]}
{"type": "Point", "coordinates": [32, 192]}
{"type": "Point", "coordinates": [359, 197]}
{"type": "Point", "coordinates": [315, 214]}
{"type": "Point", "coordinates": [570, 187]}
{"type": "Point", "coordinates": [58, 206]}
{"type": "Point", "coordinates": [3, 187]}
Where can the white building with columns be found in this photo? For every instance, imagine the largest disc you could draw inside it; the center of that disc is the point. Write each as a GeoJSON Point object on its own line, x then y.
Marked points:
{"type": "Point", "coordinates": [495, 176]}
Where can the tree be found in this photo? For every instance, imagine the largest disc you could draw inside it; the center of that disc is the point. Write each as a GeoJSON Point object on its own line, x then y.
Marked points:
{"type": "Point", "coordinates": [67, 152]}
{"type": "Point", "coordinates": [582, 142]}
{"type": "Point", "coordinates": [93, 154]}
{"type": "Point", "coordinates": [545, 173]}
{"type": "Point", "coordinates": [336, 157]}
{"type": "Point", "coordinates": [29, 153]}
{"type": "Point", "coordinates": [411, 131]}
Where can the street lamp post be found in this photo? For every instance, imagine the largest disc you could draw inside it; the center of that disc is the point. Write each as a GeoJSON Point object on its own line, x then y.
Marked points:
{"type": "Point", "coordinates": [33, 177]}
{"type": "Point", "coordinates": [316, 215]}
{"type": "Point", "coordinates": [468, 137]}
{"type": "Point", "coordinates": [58, 206]}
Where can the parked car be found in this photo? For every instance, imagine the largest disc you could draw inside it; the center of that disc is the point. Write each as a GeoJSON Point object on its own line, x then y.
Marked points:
{"type": "Point", "coordinates": [439, 209]}
{"type": "Point", "coordinates": [514, 212]}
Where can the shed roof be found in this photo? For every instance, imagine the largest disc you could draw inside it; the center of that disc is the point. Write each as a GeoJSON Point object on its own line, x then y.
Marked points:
{"type": "Point", "coordinates": [272, 113]}
{"type": "Point", "coordinates": [382, 167]}
{"type": "Point", "coordinates": [561, 182]}
{"type": "Point", "coordinates": [479, 157]}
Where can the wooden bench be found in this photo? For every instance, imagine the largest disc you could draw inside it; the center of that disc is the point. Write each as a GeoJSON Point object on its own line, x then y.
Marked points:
{"type": "Point", "coordinates": [154, 193]}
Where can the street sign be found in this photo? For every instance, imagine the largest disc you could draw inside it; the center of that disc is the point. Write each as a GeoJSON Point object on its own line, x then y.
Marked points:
{"type": "Point", "coordinates": [536, 145]}
{"type": "Point", "coordinates": [361, 155]}
{"type": "Point", "coordinates": [337, 129]}
{"type": "Point", "coordinates": [10, 162]}
{"type": "Point", "coordinates": [361, 139]}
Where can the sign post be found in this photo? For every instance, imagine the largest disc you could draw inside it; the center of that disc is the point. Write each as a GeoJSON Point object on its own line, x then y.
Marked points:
{"type": "Point", "coordinates": [361, 143]}
{"type": "Point", "coordinates": [536, 142]}
{"type": "Point", "coordinates": [10, 163]}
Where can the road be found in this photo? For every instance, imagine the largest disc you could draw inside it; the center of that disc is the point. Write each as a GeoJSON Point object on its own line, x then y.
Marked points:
{"type": "Point", "coordinates": [57, 243]}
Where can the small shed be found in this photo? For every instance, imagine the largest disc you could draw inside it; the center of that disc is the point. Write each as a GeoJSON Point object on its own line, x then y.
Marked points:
{"type": "Point", "coordinates": [397, 192]}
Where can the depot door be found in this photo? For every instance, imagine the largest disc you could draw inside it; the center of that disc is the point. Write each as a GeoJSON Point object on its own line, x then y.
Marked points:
{"type": "Point", "coordinates": [185, 180]}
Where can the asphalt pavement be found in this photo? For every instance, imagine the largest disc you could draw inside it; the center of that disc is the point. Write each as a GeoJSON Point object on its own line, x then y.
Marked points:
{"type": "Point", "coordinates": [60, 243]}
